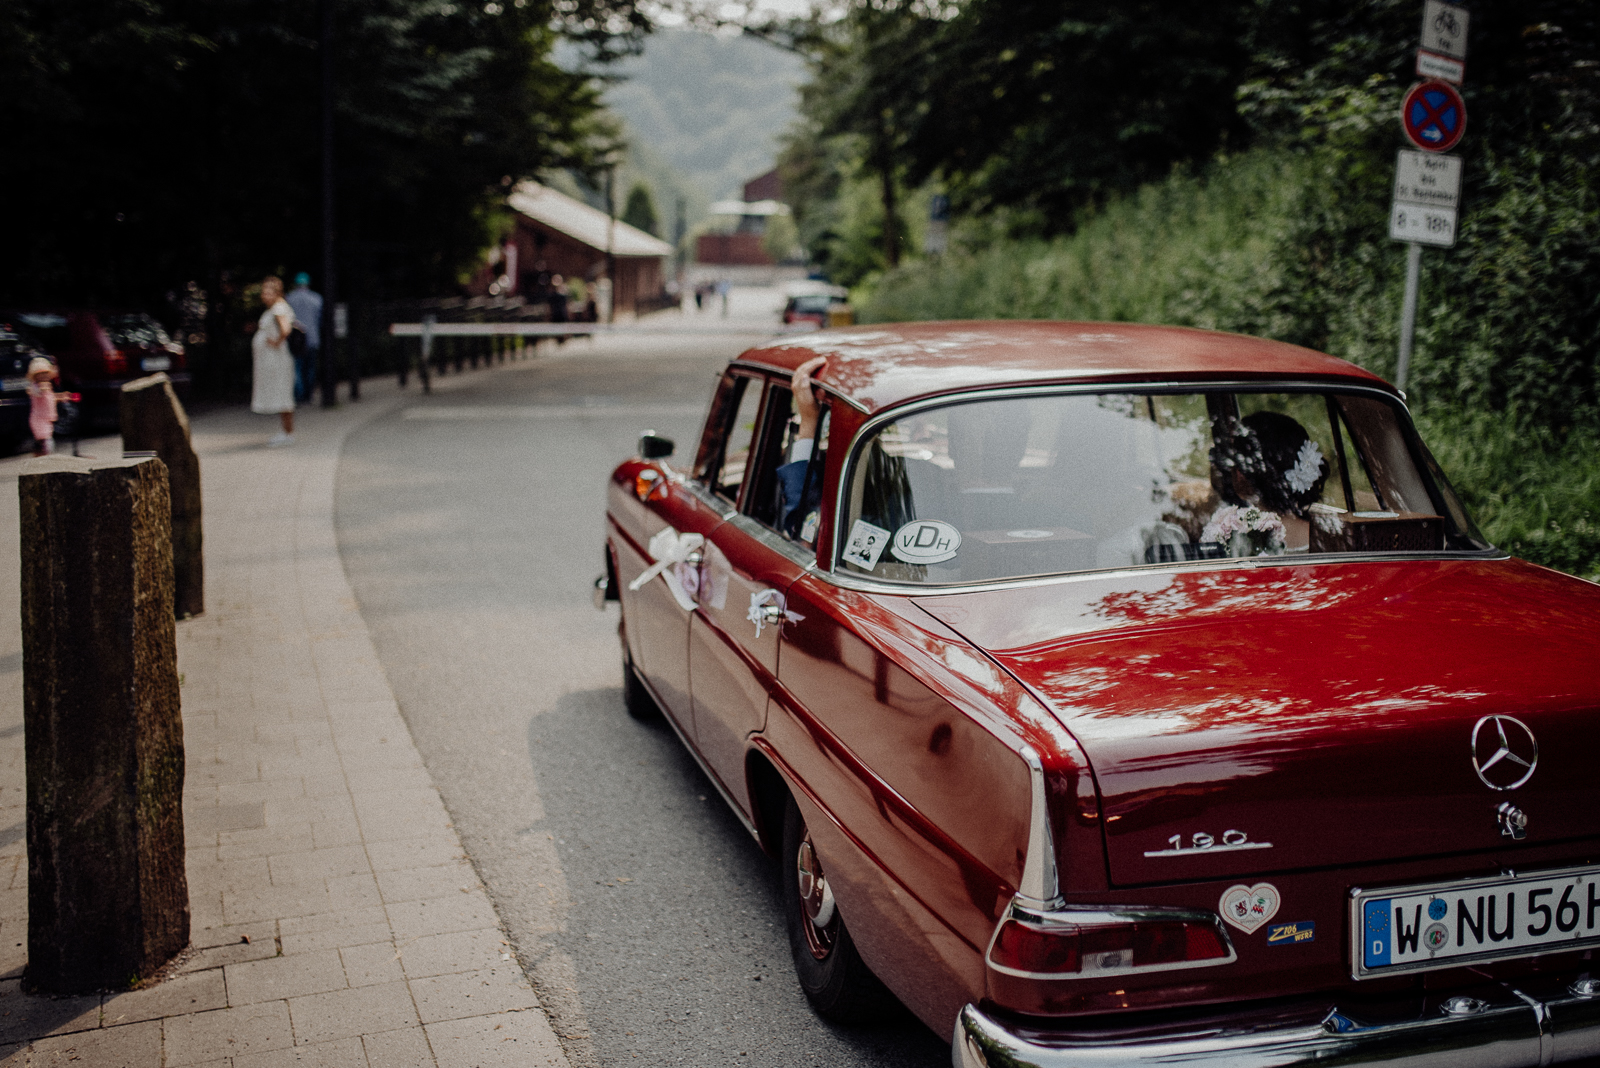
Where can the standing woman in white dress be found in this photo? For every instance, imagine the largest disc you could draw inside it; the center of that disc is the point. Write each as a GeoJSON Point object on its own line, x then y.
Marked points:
{"type": "Point", "coordinates": [272, 385]}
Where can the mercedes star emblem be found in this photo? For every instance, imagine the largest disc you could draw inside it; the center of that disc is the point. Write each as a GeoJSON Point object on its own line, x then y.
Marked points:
{"type": "Point", "coordinates": [1504, 752]}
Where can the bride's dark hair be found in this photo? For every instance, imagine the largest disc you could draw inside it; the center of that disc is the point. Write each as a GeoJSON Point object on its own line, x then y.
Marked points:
{"type": "Point", "coordinates": [1264, 450]}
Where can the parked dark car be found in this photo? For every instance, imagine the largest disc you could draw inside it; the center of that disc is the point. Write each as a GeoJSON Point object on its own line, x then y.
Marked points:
{"type": "Point", "coordinates": [18, 346]}
{"type": "Point", "coordinates": [98, 351]}
{"type": "Point", "coordinates": [813, 303]}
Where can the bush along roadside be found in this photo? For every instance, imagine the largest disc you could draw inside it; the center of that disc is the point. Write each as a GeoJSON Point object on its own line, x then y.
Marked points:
{"type": "Point", "coordinates": [1292, 245]}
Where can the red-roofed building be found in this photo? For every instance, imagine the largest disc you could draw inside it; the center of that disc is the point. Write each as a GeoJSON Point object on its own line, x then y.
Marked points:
{"type": "Point", "coordinates": [557, 235]}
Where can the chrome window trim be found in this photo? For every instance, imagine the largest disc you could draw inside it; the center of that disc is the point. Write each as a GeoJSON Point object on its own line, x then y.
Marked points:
{"type": "Point", "coordinates": [785, 375]}
{"type": "Point", "coordinates": [835, 575]}
{"type": "Point", "coordinates": [701, 493]}
{"type": "Point", "coordinates": [793, 551]}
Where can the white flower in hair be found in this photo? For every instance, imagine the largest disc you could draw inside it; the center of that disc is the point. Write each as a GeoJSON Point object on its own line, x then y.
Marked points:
{"type": "Point", "coordinates": [1307, 468]}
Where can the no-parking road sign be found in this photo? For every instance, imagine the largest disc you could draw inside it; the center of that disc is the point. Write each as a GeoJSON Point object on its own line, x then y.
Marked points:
{"type": "Point", "coordinates": [1434, 116]}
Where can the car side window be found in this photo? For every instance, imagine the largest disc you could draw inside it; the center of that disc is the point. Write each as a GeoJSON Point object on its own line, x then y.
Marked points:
{"type": "Point", "coordinates": [739, 440]}
{"type": "Point", "coordinates": [785, 491]}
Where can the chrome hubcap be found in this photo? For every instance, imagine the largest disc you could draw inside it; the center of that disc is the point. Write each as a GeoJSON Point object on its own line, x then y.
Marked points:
{"type": "Point", "coordinates": [816, 901]}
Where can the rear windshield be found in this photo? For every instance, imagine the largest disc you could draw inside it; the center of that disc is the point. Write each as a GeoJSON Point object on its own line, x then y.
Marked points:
{"type": "Point", "coordinates": [47, 330]}
{"type": "Point", "coordinates": [134, 331]}
{"type": "Point", "coordinates": [1042, 485]}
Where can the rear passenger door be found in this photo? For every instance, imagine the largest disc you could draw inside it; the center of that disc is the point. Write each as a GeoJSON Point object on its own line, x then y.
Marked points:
{"type": "Point", "coordinates": [734, 634]}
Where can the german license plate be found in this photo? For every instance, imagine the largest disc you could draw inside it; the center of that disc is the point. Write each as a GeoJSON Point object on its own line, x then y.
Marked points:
{"type": "Point", "coordinates": [155, 363]}
{"type": "Point", "coordinates": [1415, 928]}
{"type": "Point", "coordinates": [9, 385]}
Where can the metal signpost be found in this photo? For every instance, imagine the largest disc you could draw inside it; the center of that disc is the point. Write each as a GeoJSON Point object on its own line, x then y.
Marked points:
{"type": "Point", "coordinates": [1427, 185]}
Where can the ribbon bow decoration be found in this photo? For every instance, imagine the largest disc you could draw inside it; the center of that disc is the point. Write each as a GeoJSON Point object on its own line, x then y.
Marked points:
{"type": "Point", "coordinates": [667, 548]}
{"type": "Point", "coordinates": [758, 609]}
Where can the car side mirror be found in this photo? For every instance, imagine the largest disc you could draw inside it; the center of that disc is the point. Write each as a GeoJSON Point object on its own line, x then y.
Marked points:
{"type": "Point", "coordinates": [653, 446]}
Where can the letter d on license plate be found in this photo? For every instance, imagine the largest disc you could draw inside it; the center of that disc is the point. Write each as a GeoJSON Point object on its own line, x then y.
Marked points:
{"type": "Point", "coordinates": [1443, 925]}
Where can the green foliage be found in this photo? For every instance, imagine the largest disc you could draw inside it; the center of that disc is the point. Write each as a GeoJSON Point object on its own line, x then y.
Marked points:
{"type": "Point", "coordinates": [1289, 240]}
{"type": "Point", "coordinates": [1044, 105]}
{"type": "Point", "coordinates": [153, 142]}
{"type": "Point", "coordinates": [781, 239]}
{"type": "Point", "coordinates": [710, 106]}
{"type": "Point", "coordinates": [640, 211]}
{"type": "Point", "coordinates": [1534, 492]}
{"type": "Point", "coordinates": [1189, 250]}
{"type": "Point", "coordinates": [1292, 245]}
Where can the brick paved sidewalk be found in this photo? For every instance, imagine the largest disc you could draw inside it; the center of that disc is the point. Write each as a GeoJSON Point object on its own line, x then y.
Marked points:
{"type": "Point", "coordinates": [336, 920]}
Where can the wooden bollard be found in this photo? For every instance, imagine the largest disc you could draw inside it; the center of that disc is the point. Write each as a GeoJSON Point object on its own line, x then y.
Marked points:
{"type": "Point", "coordinates": [153, 420]}
{"type": "Point", "coordinates": [108, 899]}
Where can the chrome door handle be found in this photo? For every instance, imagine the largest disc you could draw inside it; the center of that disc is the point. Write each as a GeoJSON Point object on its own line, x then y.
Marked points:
{"type": "Point", "coordinates": [694, 559]}
{"type": "Point", "coordinates": [771, 613]}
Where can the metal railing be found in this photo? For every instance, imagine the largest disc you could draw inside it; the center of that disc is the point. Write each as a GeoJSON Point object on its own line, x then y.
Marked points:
{"type": "Point", "coordinates": [486, 341]}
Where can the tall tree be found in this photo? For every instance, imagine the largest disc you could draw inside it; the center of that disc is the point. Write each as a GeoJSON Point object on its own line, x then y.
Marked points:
{"type": "Point", "coordinates": [159, 141]}
{"type": "Point", "coordinates": [640, 210]}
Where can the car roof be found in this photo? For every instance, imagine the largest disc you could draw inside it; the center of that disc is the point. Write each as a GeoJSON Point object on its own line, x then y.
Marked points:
{"type": "Point", "coordinates": [878, 367]}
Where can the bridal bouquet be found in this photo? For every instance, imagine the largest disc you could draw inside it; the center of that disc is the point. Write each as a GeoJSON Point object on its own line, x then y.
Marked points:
{"type": "Point", "coordinates": [1245, 530]}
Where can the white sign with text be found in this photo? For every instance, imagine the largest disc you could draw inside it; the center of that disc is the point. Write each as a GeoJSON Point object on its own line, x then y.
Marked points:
{"type": "Point", "coordinates": [1444, 29]}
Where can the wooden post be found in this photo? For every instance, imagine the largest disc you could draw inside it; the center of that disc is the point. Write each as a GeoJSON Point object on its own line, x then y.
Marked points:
{"type": "Point", "coordinates": [153, 420]}
{"type": "Point", "coordinates": [108, 900]}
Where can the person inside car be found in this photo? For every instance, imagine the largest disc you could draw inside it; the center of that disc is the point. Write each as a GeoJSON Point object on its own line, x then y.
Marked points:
{"type": "Point", "coordinates": [799, 489]}
{"type": "Point", "coordinates": [1274, 465]}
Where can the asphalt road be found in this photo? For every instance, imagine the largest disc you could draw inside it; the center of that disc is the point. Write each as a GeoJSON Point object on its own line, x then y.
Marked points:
{"type": "Point", "coordinates": [470, 524]}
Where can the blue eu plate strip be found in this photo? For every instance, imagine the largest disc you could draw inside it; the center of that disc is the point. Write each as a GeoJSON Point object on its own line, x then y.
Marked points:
{"type": "Point", "coordinates": [1375, 927]}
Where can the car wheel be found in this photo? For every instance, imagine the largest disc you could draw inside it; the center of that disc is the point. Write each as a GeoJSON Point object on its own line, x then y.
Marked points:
{"type": "Point", "coordinates": [832, 975]}
{"type": "Point", "coordinates": [635, 697]}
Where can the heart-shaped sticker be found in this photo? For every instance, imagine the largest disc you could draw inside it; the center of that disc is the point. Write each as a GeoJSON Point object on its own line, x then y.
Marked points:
{"type": "Point", "coordinates": [1248, 907]}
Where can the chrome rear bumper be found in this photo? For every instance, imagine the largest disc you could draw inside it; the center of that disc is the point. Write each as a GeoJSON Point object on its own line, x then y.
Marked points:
{"type": "Point", "coordinates": [1499, 1026]}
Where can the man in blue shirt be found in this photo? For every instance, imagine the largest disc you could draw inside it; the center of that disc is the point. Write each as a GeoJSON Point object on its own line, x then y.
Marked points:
{"type": "Point", "coordinates": [307, 306]}
{"type": "Point", "coordinates": [799, 480]}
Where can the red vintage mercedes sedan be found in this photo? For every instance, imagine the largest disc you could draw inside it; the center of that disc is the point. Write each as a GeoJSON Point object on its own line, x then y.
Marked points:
{"type": "Point", "coordinates": [1125, 694]}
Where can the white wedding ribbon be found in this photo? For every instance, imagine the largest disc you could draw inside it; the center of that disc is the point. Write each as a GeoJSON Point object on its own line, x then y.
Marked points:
{"type": "Point", "coordinates": [667, 548]}
{"type": "Point", "coordinates": [759, 600]}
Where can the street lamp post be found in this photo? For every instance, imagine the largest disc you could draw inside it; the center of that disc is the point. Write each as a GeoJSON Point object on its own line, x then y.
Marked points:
{"type": "Point", "coordinates": [329, 292]}
{"type": "Point", "coordinates": [611, 241]}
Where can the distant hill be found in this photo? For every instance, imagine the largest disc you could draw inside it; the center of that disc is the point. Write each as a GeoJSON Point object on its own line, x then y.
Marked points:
{"type": "Point", "coordinates": [709, 107]}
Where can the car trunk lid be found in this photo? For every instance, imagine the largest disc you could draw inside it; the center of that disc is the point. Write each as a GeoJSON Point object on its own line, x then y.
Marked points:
{"type": "Point", "coordinates": [1252, 718]}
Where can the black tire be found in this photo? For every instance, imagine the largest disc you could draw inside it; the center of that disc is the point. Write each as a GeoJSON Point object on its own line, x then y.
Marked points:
{"type": "Point", "coordinates": [635, 698]}
{"type": "Point", "coordinates": [832, 975]}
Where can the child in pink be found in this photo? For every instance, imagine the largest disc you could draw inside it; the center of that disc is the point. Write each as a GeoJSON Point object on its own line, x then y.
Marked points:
{"type": "Point", "coordinates": [42, 401]}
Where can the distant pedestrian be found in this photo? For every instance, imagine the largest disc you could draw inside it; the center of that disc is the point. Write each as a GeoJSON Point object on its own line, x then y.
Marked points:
{"type": "Point", "coordinates": [307, 305]}
{"type": "Point", "coordinates": [558, 299]}
{"type": "Point", "coordinates": [42, 404]}
{"type": "Point", "coordinates": [272, 385]}
{"type": "Point", "coordinates": [724, 287]}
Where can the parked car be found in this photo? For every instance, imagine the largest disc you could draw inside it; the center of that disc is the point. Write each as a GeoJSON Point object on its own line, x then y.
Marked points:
{"type": "Point", "coordinates": [18, 346]}
{"type": "Point", "coordinates": [1127, 695]}
{"type": "Point", "coordinates": [812, 303]}
{"type": "Point", "coordinates": [98, 352]}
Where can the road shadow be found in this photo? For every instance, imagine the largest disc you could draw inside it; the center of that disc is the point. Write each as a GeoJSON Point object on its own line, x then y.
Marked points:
{"type": "Point", "coordinates": [675, 922]}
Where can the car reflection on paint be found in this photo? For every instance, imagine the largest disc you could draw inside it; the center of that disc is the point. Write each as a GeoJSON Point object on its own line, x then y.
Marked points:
{"type": "Point", "coordinates": [1125, 693]}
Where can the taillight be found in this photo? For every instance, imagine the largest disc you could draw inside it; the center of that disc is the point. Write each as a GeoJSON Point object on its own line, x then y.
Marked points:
{"type": "Point", "coordinates": [1090, 942]}
{"type": "Point", "coordinates": [116, 361]}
